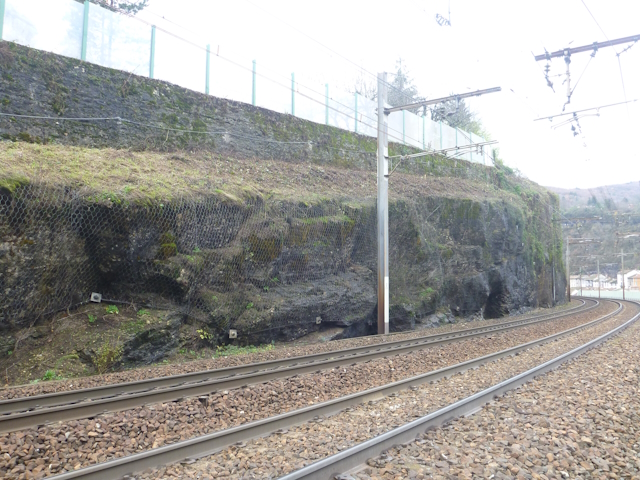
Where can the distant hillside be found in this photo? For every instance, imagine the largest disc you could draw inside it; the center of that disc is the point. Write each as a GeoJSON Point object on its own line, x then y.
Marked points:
{"type": "Point", "coordinates": [607, 213]}
{"type": "Point", "coordinates": [623, 198]}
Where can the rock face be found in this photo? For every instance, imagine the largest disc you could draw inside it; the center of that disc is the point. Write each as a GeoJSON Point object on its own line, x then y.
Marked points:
{"type": "Point", "coordinates": [269, 270]}
{"type": "Point", "coordinates": [152, 345]}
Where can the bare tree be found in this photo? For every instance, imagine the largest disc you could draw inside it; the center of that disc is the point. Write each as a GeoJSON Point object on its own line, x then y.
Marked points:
{"type": "Point", "coordinates": [457, 114]}
{"type": "Point", "coordinates": [125, 6]}
{"type": "Point", "coordinates": [401, 91]}
{"type": "Point", "coordinates": [365, 85]}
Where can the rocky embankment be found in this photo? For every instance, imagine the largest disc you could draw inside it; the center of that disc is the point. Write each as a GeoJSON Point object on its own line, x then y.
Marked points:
{"type": "Point", "coordinates": [238, 258]}
{"type": "Point", "coordinates": [230, 233]}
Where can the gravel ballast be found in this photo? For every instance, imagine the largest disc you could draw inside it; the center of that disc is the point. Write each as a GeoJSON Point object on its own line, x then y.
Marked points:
{"type": "Point", "coordinates": [275, 354]}
{"type": "Point", "coordinates": [80, 443]}
{"type": "Point", "coordinates": [590, 430]}
{"type": "Point", "coordinates": [278, 454]}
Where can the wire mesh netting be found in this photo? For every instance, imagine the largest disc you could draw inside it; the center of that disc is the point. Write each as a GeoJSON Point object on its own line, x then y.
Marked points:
{"type": "Point", "coordinates": [245, 264]}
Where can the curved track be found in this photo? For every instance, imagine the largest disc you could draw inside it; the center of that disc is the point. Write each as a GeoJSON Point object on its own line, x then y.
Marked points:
{"type": "Point", "coordinates": [200, 446]}
{"type": "Point", "coordinates": [357, 455]}
{"type": "Point", "coordinates": [75, 404]}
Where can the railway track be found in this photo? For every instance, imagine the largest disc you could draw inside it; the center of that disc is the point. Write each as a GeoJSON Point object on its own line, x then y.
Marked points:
{"type": "Point", "coordinates": [348, 459]}
{"type": "Point", "coordinates": [27, 412]}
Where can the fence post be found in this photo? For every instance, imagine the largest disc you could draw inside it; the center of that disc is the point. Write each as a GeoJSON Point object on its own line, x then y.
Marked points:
{"type": "Point", "coordinates": [424, 145]}
{"type": "Point", "coordinates": [253, 85]}
{"type": "Point", "coordinates": [440, 134]}
{"type": "Point", "coordinates": [1, 17]}
{"type": "Point", "coordinates": [152, 57]}
{"type": "Point", "coordinates": [403, 126]}
{"type": "Point", "coordinates": [326, 104]}
{"type": "Point", "coordinates": [293, 94]}
{"type": "Point", "coordinates": [470, 143]}
{"type": "Point", "coordinates": [85, 31]}
{"type": "Point", "coordinates": [356, 115]}
{"type": "Point", "coordinates": [206, 84]}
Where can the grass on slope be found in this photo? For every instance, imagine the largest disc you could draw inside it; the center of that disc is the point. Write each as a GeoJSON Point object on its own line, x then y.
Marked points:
{"type": "Point", "coordinates": [144, 176]}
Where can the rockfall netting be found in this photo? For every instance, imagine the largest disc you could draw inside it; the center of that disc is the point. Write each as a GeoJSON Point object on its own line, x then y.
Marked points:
{"type": "Point", "coordinates": [245, 264]}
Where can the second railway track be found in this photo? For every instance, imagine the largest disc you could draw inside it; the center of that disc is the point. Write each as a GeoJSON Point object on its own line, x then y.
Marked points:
{"type": "Point", "coordinates": [203, 445]}
{"type": "Point", "coordinates": [75, 404]}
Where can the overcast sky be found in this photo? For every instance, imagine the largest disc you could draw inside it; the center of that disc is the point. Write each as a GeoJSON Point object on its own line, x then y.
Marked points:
{"type": "Point", "coordinates": [490, 43]}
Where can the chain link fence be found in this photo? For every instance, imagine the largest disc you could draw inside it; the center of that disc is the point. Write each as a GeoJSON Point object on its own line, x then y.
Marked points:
{"type": "Point", "coordinates": [247, 264]}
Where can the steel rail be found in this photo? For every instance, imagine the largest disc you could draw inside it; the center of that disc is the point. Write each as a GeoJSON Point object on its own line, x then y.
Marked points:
{"type": "Point", "coordinates": [353, 457]}
{"type": "Point", "coordinates": [108, 391]}
{"type": "Point", "coordinates": [88, 409]}
{"type": "Point", "coordinates": [208, 444]}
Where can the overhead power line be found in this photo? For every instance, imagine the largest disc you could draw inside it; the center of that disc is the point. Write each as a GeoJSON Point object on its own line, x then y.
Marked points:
{"type": "Point", "coordinates": [594, 19]}
{"type": "Point", "coordinates": [399, 137]}
{"type": "Point", "coordinates": [173, 129]}
{"type": "Point", "coordinates": [389, 85]}
{"type": "Point", "coordinates": [550, 117]}
{"type": "Point", "coordinates": [624, 89]}
{"type": "Point", "coordinates": [224, 132]}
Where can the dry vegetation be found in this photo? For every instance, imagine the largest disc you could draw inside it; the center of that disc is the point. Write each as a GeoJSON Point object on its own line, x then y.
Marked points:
{"type": "Point", "coordinates": [143, 176]}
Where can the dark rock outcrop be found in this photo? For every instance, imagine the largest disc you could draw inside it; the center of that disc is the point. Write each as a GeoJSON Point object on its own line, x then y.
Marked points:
{"type": "Point", "coordinates": [270, 270]}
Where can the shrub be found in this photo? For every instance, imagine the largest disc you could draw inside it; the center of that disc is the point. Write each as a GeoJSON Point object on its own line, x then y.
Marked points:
{"type": "Point", "coordinates": [49, 375]}
{"type": "Point", "coordinates": [112, 309]}
{"type": "Point", "coordinates": [106, 357]}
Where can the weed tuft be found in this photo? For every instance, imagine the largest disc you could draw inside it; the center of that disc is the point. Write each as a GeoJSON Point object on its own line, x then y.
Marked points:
{"type": "Point", "coordinates": [106, 357]}
{"type": "Point", "coordinates": [49, 375]}
{"type": "Point", "coordinates": [227, 350]}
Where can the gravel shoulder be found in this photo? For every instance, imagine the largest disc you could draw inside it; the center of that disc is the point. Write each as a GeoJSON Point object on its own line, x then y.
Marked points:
{"type": "Point", "coordinates": [75, 444]}
{"type": "Point", "coordinates": [230, 361]}
{"type": "Point", "coordinates": [278, 454]}
{"type": "Point", "coordinates": [589, 430]}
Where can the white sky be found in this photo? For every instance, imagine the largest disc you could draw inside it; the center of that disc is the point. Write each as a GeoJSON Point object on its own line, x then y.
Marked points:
{"type": "Point", "coordinates": [489, 44]}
